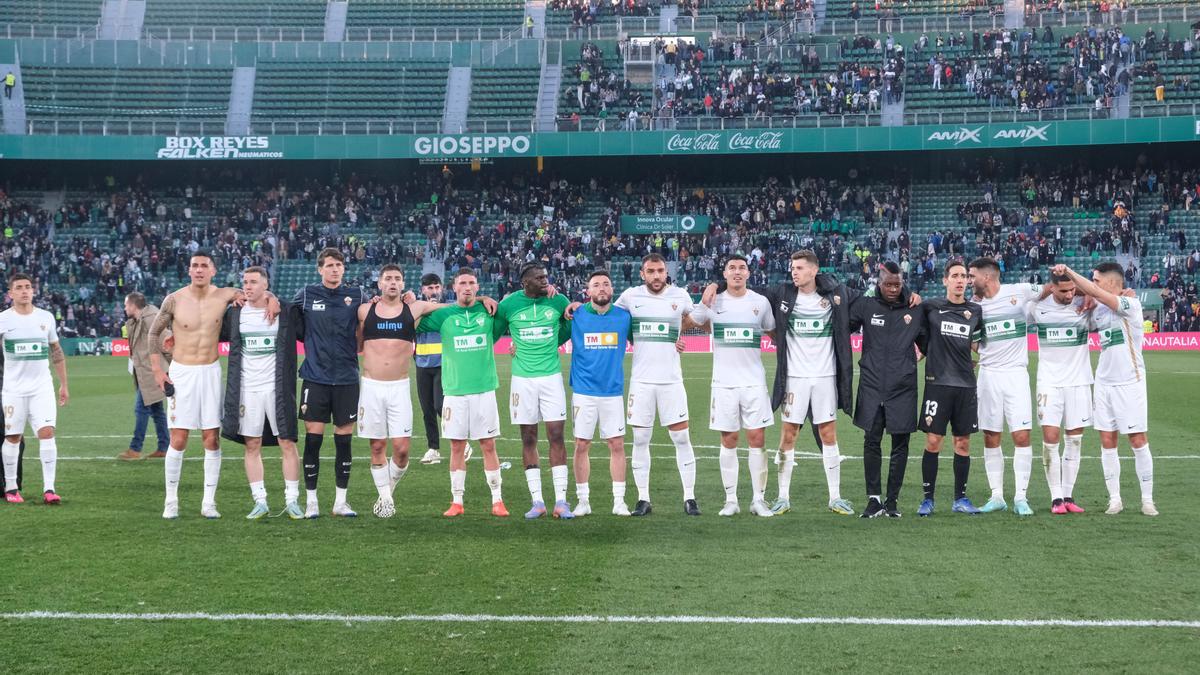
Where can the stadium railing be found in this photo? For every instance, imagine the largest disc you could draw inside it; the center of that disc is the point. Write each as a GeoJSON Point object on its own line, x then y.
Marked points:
{"type": "Point", "coordinates": [1010, 114]}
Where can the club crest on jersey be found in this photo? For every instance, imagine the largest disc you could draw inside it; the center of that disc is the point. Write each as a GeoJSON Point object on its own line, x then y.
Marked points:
{"type": "Point", "coordinates": [967, 314]}
{"type": "Point", "coordinates": [755, 312]}
{"type": "Point", "coordinates": [674, 306]}
{"type": "Point", "coordinates": [347, 300]}
{"type": "Point", "coordinates": [549, 314]}
{"type": "Point", "coordinates": [824, 304]}
{"type": "Point", "coordinates": [907, 319]}
{"type": "Point", "coordinates": [784, 307]}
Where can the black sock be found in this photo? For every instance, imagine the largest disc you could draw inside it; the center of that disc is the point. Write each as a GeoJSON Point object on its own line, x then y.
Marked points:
{"type": "Point", "coordinates": [929, 469]}
{"type": "Point", "coordinates": [341, 467]}
{"type": "Point", "coordinates": [312, 459]}
{"type": "Point", "coordinates": [962, 466]}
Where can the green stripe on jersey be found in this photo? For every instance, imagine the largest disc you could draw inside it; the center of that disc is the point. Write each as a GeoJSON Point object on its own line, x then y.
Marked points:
{"type": "Point", "coordinates": [1004, 329]}
{"type": "Point", "coordinates": [259, 344]}
{"type": "Point", "coordinates": [1062, 335]}
{"type": "Point", "coordinates": [740, 335]}
{"type": "Point", "coordinates": [654, 329]}
{"type": "Point", "coordinates": [810, 326]}
{"type": "Point", "coordinates": [1111, 337]}
{"type": "Point", "coordinates": [27, 349]}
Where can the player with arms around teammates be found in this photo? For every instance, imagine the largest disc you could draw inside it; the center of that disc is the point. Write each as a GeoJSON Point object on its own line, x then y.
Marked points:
{"type": "Point", "coordinates": [1120, 405]}
{"type": "Point", "coordinates": [599, 334]}
{"type": "Point", "coordinates": [31, 344]}
{"type": "Point", "coordinates": [739, 317]}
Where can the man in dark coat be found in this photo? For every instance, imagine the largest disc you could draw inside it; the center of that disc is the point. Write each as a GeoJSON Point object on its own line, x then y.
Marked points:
{"type": "Point", "coordinates": [887, 383]}
{"type": "Point", "coordinates": [260, 389]}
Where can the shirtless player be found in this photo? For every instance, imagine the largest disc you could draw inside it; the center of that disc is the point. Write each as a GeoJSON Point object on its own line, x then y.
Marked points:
{"type": "Point", "coordinates": [194, 314]}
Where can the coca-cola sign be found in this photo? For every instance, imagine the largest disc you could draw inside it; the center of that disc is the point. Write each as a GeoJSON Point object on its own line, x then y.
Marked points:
{"type": "Point", "coordinates": [735, 141]}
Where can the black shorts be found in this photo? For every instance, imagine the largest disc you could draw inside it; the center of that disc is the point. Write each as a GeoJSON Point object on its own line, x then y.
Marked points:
{"type": "Point", "coordinates": [318, 402]}
{"type": "Point", "coordinates": [944, 407]}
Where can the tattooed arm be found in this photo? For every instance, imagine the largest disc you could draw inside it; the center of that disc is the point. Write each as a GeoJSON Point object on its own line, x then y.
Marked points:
{"type": "Point", "coordinates": [162, 323]}
{"type": "Point", "coordinates": [59, 359]}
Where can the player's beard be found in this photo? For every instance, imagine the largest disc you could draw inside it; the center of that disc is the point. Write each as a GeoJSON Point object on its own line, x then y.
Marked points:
{"type": "Point", "coordinates": [602, 301]}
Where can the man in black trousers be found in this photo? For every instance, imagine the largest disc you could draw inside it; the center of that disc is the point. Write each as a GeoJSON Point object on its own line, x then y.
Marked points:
{"type": "Point", "coordinates": [887, 385]}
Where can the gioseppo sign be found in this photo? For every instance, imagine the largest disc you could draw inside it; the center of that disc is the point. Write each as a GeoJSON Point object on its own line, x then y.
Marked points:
{"type": "Point", "coordinates": [217, 147]}
{"type": "Point", "coordinates": [738, 141]}
{"type": "Point", "coordinates": [471, 146]}
{"type": "Point", "coordinates": [1024, 134]}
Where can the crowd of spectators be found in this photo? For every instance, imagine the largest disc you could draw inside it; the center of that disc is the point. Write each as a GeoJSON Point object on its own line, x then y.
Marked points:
{"type": "Point", "coordinates": [601, 93]}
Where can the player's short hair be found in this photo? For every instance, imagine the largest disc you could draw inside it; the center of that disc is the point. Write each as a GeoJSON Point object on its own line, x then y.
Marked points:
{"type": "Point", "coordinates": [19, 276]}
{"type": "Point", "coordinates": [890, 267]}
{"type": "Point", "coordinates": [734, 256]}
{"type": "Point", "coordinates": [137, 299]}
{"type": "Point", "coordinates": [985, 263]}
{"type": "Point", "coordinates": [464, 271]}
{"type": "Point", "coordinates": [653, 258]}
{"type": "Point", "coordinates": [599, 273]}
{"type": "Point", "coordinates": [807, 256]}
{"type": "Point", "coordinates": [1059, 278]}
{"type": "Point", "coordinates": [330, 253]}
{"type": "Point", "coordinates": [260, 270]}
{"type": "Point", "coordinates": [431, 279]}
{"type": "Point", "coordinates": [391, 267]}
{"type": "Point", "coordinates": [1111, 267]}
{"type": "Point", "coordinates": [954, 262]}
{"type": "Point", "coordinates": [204, 254]}
{"type": "Point", "coordinates": [531, 267]}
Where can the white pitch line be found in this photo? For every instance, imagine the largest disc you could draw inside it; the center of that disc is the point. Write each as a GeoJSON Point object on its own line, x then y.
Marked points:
{"type": "Point", "coordinates": [609, 619]}
{"type": "Point", "coordinates": [595, 457]}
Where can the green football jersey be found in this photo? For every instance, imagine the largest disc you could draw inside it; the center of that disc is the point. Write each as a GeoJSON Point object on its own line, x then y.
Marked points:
{"type": "Point", "coordinates": [537, 329]}
{"type": "Point", "coordinates": [468, 361]}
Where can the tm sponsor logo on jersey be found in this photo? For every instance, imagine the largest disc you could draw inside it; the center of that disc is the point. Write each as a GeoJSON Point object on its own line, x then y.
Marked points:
{"type": "Point", "coordinates": [536, 333]}
{"type": "Point", "coordinates": [600, 340]}
{"type": "Point", "coordinates": [470, 342]}
{"type": "Point", "coordinates": [738, 335]}
{"type": "Point", "coordinates": [653, 328]}
{"type": "Point", "coordinates": [956, 329]}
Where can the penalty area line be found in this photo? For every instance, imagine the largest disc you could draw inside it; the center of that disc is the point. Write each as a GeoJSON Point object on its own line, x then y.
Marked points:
{"type": "Point", "coordinates": [602, 619]}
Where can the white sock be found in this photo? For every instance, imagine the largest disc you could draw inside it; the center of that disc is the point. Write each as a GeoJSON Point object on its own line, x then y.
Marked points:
{"type": "Point", "coordinates": [494, 481]}
{"type": "Point", "coordinates": [458, 481]}
{"type": "Point", "coordinates": [582, 491]}
{"type": "Point", "coordinates": [1022, 468]}
{"type": "Point", "coordinates": [1143, 465]}
{"type": "Point", "coordinates": [757, 463]}
{"type": "Point", "coordinates": [993, 464]}
{"type": "Point", "coordinates": [685, 459]}
{"type": "Point", "coordinates": [258, 491]}
{"type": "Point", "coordinates": [291, 491]}
{"type": "Point", "coordinates": [1052, 463]}
{"type": "Point", "coordinates": [1112, 471]}
{"type": "Point", "coordinates": [172, 467]}
{"type": "Point", "coordinates": [833, 470]}
{"type": "Point", "coordinates": [212, 474]}
{"type": "Point", "coordinates": [310, 496]}
{"type": "Point", "coordinates": [48, 449]}
{"type": "Point", "coordinates": [396, 472]}
{"type": "Point", "coordinates": [729, 472]}
{"type": "Point", "coordinates": [382, 479]}
{"type": "Point", "coordinates": [1072, 449]}
{"type": "Point", "coordinates": [533, 477]}
{"type": "Point", "coordinates": [641, 461]}
{"type": "Point", "coordinates": [11, 453]}
{"type": "Point", "coordinates": [618, 491]}
{"type": "Point", "coordinates": [786, 459]}
{"type": "Point", "coordinates": [558, 474]}
{"type": "Point", "coordinates": [339, 496]}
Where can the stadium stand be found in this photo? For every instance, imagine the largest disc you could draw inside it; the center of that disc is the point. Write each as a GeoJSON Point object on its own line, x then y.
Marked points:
{"type": "Point", "coordinates": [508, 92]}
{"type": "Point", "coordinates": [498, 14]}
{"type": "Point", "coordinates": [78, 13]}
{"type": "Point", "coordinates": [232, 19]}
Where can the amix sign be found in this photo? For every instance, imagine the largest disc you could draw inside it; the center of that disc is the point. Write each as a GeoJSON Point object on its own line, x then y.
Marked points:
{"type": "Point", "coordinates": [471, 146]}
{"type": "Point", "coordinates": [1029, 133]}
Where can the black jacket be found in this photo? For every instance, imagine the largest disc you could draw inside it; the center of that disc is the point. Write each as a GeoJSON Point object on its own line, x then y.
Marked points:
{"type": "Point", "coordinates": [285, 378]}
{"type": "Point", "coordinates": [887, 371]}
{"type": "Point", "coordinates": [783, 298]}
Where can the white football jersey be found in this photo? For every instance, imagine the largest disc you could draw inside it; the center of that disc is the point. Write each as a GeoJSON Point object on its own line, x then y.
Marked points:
{"type": "Point", "coordinates": [1004, 327]}
{"type": "Point", "coordinates": [1120, 342]}
{"type": "Point", "coordinates": [1063, 352]}
{"type": "Point", "coordinates": [27, 339]}
{"type": "Point", "coordinates": [809, 337]}
{"type": "Point", "coordinates": [737, 327]}
{"type": "Point", "coordinates": [657, 319]}
{"type": "Point", "coordinates": [260, 341]}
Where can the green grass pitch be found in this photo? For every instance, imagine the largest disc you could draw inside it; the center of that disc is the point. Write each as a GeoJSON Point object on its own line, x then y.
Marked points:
{"type": "Point", "coordinates": [106, 550]}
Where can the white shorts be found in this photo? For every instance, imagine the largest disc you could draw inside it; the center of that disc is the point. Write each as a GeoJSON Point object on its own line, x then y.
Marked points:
{"type": "Point", "coordinates": [1121, 407]}
{"type": "Point", "coordinates": [470, 417]}
{"type": "Point", "coordinates": [257, 407]}
{"type": "Point", "coordinates": [670, 400]}
{"type": "Point", "coordinates": [1066, 407]}
{"type": "Point", "coordinates": [818, 393]}
{"type": "Point", "coordinates": [39, 410]}
{"type": "Point", "coordinates": [589, 411]}
{"type": "Point", "coordinates": [197, 400]}
{"type": "Point", "coordinates": [1004, 397]}
{"type": "Point", "coordinates": [384, 409]}
{"type": "Point", "coordinates": [537, 399]}
{"type": "Point", "coordinates": [734, 409]}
